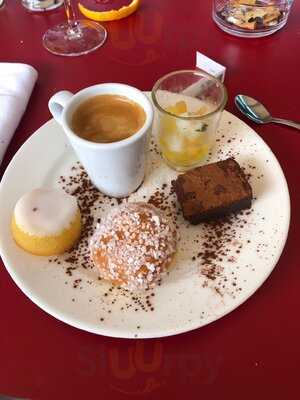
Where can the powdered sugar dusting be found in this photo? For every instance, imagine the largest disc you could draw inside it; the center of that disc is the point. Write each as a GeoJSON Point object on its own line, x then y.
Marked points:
{"type": "Point", "coordinates": [133, 246]}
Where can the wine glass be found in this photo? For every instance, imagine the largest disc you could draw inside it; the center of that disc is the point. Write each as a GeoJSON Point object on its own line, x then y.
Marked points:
{"type": "Point", "coordinates": [74, 37]}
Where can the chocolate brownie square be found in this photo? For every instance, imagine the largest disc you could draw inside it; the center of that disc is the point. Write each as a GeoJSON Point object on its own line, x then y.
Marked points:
{"type": "Point", "coordinates": [212, 191]}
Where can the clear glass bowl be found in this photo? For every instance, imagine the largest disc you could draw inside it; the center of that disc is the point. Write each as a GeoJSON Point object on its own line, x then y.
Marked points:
{"type": "Point", "coordinates": [251, 18]}
{"type": "Point", "coordinates": [189, 106]}
{"type": "Point", "coordinates": [41, 5]}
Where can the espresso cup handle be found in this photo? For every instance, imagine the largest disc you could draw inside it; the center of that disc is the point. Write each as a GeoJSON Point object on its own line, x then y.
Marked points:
{"type": "Point", "coordinates": [58, 102]}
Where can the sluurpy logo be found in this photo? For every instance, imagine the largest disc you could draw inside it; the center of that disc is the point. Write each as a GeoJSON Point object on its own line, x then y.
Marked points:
{"type": "Point", "coordinates": [141, 368]}
{"type": "Point", "coordinates": [144, 367]}
{"type": "Point", "coordinates": [134, 370]}
{"type": "Point", "coordinates": [137, 43]}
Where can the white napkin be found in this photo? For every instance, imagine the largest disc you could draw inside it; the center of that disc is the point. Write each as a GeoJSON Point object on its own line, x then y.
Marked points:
{"type": "Point", "coordinates": [16, 84]}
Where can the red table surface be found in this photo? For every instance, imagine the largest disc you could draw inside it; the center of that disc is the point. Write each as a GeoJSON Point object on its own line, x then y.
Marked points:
{"type": "Point", "coordinates": [252, 352]}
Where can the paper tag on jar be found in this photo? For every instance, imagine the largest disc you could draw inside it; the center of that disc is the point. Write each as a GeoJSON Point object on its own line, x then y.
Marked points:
{"type": "Point", "coordinates": [210, 66]}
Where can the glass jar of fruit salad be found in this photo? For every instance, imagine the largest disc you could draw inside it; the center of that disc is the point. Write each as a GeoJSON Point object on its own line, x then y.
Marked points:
{"type": "Point", "coordinates": [251, 18]}
{"type": "Point", "coordinates": [189, 106]}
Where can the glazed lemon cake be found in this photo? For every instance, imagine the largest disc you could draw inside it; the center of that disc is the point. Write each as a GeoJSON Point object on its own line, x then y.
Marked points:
{"type": "Point", "coordinates": [46, 222]}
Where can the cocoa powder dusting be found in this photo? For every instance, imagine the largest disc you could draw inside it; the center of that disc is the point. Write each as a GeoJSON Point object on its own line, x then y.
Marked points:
{"type": "Point", "coordinates": [218, 242]}
{"type": "Point", "coordinates": [80, 186]}
{"type": "Point", "coordinates": [90, 202]}
{"type": "Point", "coordinates": [221, 238]}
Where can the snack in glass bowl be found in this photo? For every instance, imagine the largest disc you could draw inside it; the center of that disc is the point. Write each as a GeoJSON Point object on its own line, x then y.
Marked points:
{"type": "Point", "coordinates": [251, 18]}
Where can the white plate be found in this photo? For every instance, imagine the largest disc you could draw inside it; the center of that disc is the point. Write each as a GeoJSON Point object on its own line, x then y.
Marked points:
{"type": "Point", "coordinates": [186, 299]}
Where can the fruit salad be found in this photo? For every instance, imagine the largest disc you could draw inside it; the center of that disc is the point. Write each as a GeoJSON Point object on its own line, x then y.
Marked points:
{"type": "Point", "coordinates": [186, 132]}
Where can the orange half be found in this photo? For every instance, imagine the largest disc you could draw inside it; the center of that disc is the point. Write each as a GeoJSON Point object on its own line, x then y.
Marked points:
{"type": "Point", "coordinates": [110, 15]}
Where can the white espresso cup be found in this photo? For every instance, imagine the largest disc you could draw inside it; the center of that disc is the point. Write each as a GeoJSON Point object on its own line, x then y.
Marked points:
{"type": "Point", "coordinates": [118, 168]}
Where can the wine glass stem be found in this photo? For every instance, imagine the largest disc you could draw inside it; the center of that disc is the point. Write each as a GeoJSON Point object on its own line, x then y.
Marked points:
{"type": "Point", "coordinates": [74, 30]}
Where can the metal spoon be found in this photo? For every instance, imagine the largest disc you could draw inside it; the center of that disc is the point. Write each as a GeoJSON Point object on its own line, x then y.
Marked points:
{"type": "Point", "coordinates": [258, 113]}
